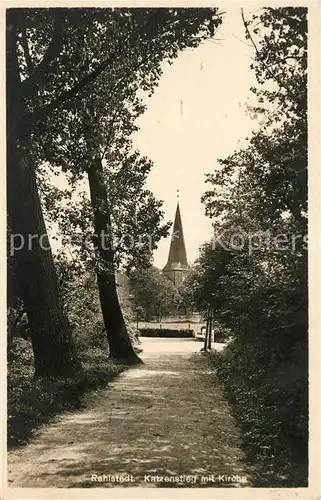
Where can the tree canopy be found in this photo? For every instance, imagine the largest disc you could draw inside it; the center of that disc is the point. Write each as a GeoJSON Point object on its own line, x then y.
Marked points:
{"type": "Point", "coordinates": [254, 272]}
{"type": "Point", "coordinates": [75, 80]}
{"type": "Point", "coordinates": [154, 294]}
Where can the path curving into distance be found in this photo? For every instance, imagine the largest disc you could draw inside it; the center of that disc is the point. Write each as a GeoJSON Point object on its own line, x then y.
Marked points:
{"type": "Point", "coordinates": [163, 424]}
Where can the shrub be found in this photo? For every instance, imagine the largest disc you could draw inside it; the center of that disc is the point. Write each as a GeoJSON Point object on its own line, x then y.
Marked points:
{"type": "Point", "coordinates": [271, 409]}
{"type": "Point", "coordinates": [32, 402]}
{"type": "Point", "coordinates": [165, 332]}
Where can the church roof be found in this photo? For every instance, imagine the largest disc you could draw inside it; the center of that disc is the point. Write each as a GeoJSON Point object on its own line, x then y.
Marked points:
{"type": "Point", "coordinates": [177, 258]}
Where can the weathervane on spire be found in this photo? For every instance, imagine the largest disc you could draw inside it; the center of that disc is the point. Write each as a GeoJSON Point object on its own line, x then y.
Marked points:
{"type": "Point", "coordinates": [177, 191]}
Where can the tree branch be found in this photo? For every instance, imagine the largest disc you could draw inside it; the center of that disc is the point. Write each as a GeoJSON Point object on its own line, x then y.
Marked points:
{"type": "Point", "coordinates": [24, 43]}
{"type": "Point", "coordinates": [111, 129]}
{"type": "Point", "coordinates": [265, 66]}
{"type": "Point", "coordinates": [40, 74]}
{"type": "Point", "coordinates": [18, 318]}
{"type": "Point", "coordinates": [40, 112]}
{"type": "Point", "coordinates": [33, 118]}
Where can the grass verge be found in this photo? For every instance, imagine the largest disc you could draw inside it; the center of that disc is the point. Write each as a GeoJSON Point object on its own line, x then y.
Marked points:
{"type": "Point", "coordinates": [271, 414]}
{"type": "Point", "coordinates": [34, 402]}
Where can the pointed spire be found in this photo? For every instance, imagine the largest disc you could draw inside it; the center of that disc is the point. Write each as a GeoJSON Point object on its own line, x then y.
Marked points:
{"type": "Point", "coordinates": [177, 258]}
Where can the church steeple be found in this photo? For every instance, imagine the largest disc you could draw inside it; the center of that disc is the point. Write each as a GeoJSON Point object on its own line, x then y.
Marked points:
{"type": "Point", "coordinates": [177, 264]}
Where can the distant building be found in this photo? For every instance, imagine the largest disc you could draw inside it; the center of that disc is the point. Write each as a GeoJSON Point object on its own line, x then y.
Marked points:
{"type": "Point", "coordinates": [177, 265]}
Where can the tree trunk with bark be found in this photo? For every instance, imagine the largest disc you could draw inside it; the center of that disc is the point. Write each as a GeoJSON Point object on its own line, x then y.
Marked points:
{"type": "Point", "coordinates": [120, 347]}
{"type": "Point", "coordinates": [35, 274]}
{"type": "Point", "coordinates": [35, 271]}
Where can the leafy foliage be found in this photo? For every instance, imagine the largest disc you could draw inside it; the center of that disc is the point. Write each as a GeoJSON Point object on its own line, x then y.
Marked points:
{"type": "Point", "coordinates": [34, 402]}
{"type": "Point", "coordinates": [154, 294]}
{"type": "Point", "coordinates": [31, 402]}
{"type": "Point", "coordinates": [254, 272]}
{"type": "Point", "coordinates": [73, 81]}
{"type": "Point", "coordinates": [61, 52]}
{"type": "Point", "coordinates": [101, 121]}
{"type": "Point", "coordinates": [137, 218]}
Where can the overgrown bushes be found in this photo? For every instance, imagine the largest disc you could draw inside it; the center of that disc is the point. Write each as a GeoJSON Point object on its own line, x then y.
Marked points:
{"type": "Point", "coordinates": [255, 273]}
{"type": "Point", "coordinates": [34, 401]}
{"type": "Point", "coordinates": [271, 410]}
{"type": "Point", "coordinates": [265, 367]}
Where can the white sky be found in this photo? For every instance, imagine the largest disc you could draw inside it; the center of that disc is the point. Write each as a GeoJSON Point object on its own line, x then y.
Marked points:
{"type": "Point", "coordinates": [196, 115]}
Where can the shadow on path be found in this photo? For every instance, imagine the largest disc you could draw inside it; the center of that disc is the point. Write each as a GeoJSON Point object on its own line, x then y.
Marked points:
{"type": "Point", "coordinates": [165, 418]}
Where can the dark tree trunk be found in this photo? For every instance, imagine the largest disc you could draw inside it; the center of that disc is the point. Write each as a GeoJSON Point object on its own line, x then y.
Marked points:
{"type": "Point", "coordinates": [35, 271]}
{"type": "Point", "coordinates": [120, 347]}
{"type": "Point", "coordinates": [35, 274]}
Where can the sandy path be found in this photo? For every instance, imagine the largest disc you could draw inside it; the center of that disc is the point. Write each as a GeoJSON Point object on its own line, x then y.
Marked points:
{"type": "Point", "coordinates": [149, 427]}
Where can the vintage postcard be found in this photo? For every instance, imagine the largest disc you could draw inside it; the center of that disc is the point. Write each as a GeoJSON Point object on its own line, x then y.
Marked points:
{"type": "Point", "coordinates": [162, 250]}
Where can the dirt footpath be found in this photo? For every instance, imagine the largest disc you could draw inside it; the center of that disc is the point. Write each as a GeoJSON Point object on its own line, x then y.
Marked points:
{"type": "Point", "coordinates": [164, 424]}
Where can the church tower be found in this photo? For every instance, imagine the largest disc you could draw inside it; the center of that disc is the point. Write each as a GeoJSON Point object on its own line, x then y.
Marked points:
{"type": "Point", "coordinates": [177, 264]}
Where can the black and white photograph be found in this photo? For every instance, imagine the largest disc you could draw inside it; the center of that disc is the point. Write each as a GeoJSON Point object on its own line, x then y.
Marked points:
{"type": "Point", "coordinates": [157, 248]}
